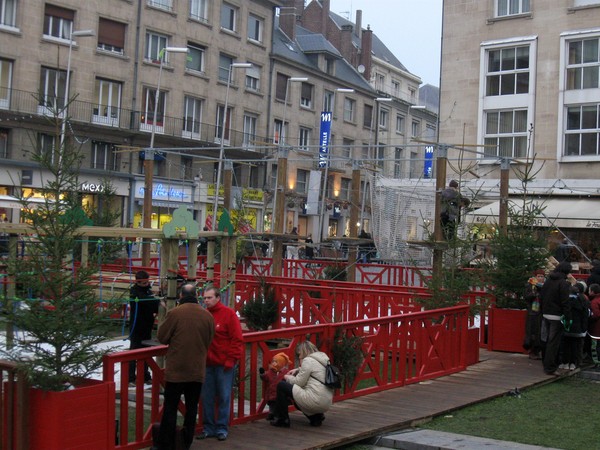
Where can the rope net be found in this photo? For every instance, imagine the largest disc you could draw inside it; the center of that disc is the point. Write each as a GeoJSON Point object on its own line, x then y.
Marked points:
{"type": "Point", "coordinates": [401, 217]}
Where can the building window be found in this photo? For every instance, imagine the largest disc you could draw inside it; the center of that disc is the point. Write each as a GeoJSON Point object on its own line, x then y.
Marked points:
{"type": "Point", "coordinates": [511, 7]}
{"type": "Point", "coordinates": [415, 129]}
{"type": "Point", "coordinates": [508, 71]}
{"type": "Point", "coordinates": [255, 28]}
{"type": "Point", "coordinates": [395, 88]}
{"type": "Point", "coordinates": [47, 147]}
{"type": "Point", "coordinates": [586, 2]}
{"type": "Point", "coordinates": [400, 121]}
{"type": "Point", "coordinates": [195, 58]}
{"type": "Point", "coordinates": [349, 108]}
{"type": "Point", "coordinates": [380, 82]}
{"type": "Point", "coordinates": [306, 95]}
{"type": "Point", "coordinates": [111, 36]}
{"type": "Point", "coordinates": [225, 63]}
{"type": "Point", "coordinates": [253, 79]}
{"type": "Point", "coordinates": [167, 5]}
{"type": "Point", "coordinates": [279, 131]}
{"type": "Point", "coordinates": [192, 116]}
{"type": "Point", "coordinates": [58, 22]}
{"type": "Point", "coordinates": [187, 166]}
{"type": "Point", "coordinates": [383, 118]}
{"type": "Point", "coordinates": [304, 139]}
{"type": "Point", "coordinates": [345, 189]}
{"type": "Point", "coordinates": [328, 97]}
{"type": "Point", "coordinates": [368, 116]}
{"type": "Point", "coordinates": [365, 151]}
{"type": "Point", "coordinates": [398, 151]}
{"type": "Point", "coordinates": [302, 178]}
{"type": "Point", "coordinates": [583, 129]}
{"type": "Point", "coordinates": [347, 145]}
{"type": "Point", "coordinates": [506, 133]}
{"type": "Point", "coordinates": [154, 44]}
{"type": "Point", "coordinates": [583, 64]}
{"type": "Point", "coordinates": [8, 13]}
{"type": "Point", "coordinates": [52, 90]}
{"type": "Point", "coordinates": [104, 156]}
{"type": "Point", "coordinates": [228, 17]}
{"type": "Point", "coordinates": [249, 139]}
{"type": "Point", "coordinates": [147, 117]}
{"type": "Point", "coordinates": [3, 143]}
{"type": "Point", "coordinates": [5, 83]}
{"type": "Point", "coordinates": [329, 65]}
{"type": "Point", "coordinates": [281, 86]}
{"type": "Point", "coordinates": [198, 10]}
{"type": "Point", "coordinates": [223, 127]}
{"type": "Point", "coordinates": [107, 95]}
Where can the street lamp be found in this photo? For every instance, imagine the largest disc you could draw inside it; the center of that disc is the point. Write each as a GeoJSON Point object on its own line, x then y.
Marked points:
{"type": "Point", "coordinates": [278, 224]}
{"type": "Point", "coordinates": [377, 100]}
{"type": "Point", "coordinates": [149, 156]}
{"type": "Point", "coordinates": [80, 33]}
{"type": "Point", "coordinates": [323, 208]}
{"type": "Point", "coordinates": [222, 143]}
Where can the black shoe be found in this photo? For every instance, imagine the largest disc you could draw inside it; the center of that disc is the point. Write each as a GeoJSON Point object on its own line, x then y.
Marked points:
{"type": "Point", "coordinates": [221, 436]}
{"type": "Point", "coordinates": [270, 417]}
{"type": "Point", "coordinates": [283, 423]}
{"type": "Point", "coordinates": [316, 420]}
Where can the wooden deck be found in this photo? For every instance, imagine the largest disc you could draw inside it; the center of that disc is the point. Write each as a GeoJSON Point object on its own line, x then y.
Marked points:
{"type": "Point", "coordinates": [357, 419]}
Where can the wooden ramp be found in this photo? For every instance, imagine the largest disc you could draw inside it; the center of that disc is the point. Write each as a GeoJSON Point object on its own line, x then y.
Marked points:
{"type": "Point", "coordinates": [357, 419]}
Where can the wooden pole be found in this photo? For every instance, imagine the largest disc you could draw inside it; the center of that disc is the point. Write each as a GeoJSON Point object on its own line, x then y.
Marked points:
{"type": "Point", "coordinates": [354, 210]}
{"type": "Point", "coordinates": [279, 212]}
{"type": "Point", "coordinates": [440, 184]}
{"type": "Point", "coordinates": [503, 210]}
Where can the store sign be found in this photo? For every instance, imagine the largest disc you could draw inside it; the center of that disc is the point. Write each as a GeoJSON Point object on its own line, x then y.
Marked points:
{"type": "Point", "coordinates": [167, 192]}
{"type": "Point", "coordinates": [325, 138]}
{"type": "Point", "coordinates": [92, 187]}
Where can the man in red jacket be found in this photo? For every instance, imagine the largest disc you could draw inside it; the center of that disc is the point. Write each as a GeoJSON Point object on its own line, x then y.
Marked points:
{"type": "Point", "coordinates": [224, 352]}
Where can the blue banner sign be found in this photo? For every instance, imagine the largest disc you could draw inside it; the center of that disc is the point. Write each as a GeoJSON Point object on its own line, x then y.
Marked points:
{"type": "Point", "coordinates": [428, 165]}
{"type": "Point", "coordinates": [325, 136]}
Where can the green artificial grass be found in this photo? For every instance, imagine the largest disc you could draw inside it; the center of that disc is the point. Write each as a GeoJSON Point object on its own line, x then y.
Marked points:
{"type": "Point", "coordinates": [563, 414]}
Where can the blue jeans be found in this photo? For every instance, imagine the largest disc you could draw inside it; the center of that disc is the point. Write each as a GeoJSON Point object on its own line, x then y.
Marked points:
{"type": "Point", "coordinates": [217, 387]}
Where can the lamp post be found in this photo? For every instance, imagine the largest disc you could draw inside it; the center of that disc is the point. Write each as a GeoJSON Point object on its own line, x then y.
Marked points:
{"type": "Point", "coordinates": [222, 143]}
{"type": "Point", "coordinates": [323, 207]}
{"type": "Point", "coordinates": [80, 33]}
{"type": "Point", "coordinates": [149, 157]}
{"type": "Point", "coordinates": [375, 119]}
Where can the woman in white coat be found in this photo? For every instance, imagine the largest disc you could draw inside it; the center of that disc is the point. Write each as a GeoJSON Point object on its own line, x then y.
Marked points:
{"type": "Point", "coordinates": [304, 387]}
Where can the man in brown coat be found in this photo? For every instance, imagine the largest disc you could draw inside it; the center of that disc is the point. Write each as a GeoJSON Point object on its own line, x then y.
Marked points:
{"type": "Point", "coordinates": [188, 331]}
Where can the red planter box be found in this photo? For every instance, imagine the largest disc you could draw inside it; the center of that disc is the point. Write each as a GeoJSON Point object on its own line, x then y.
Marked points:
{"type": "Point", "coordinates": [506, 330]}
{"type": "Point", "coordinates": [82, 418]}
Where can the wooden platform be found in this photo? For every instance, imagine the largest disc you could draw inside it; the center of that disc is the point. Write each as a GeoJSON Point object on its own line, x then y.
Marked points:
{"type": "Point", "coordinates": [353, 420]}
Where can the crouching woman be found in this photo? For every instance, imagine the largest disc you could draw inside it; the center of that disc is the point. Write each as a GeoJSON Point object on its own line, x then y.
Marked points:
{"type": "Point", "coordinates": [305, 388]}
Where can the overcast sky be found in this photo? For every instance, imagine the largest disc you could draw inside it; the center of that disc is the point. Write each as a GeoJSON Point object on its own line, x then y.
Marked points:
{"type": "Point", "coordinates": [411, 29]}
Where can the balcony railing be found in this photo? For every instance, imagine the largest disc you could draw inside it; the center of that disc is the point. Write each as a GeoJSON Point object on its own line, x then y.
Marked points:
{"type": "Point", "coordinates": [18, 101]}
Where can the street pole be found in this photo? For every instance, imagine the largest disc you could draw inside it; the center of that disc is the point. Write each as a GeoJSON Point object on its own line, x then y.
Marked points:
{"type": "Point", "coordinates": [149, 159]}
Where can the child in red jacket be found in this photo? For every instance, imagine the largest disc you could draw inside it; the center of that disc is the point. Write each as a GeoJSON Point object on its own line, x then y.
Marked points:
{"type": "Point", "coordinates": [278, 367]}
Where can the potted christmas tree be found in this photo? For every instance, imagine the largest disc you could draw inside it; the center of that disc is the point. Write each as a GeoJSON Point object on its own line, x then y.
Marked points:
{"type": "Point", "coordinates": [57, 314]}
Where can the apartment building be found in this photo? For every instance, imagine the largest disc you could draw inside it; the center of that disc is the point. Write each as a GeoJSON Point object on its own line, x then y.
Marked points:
{"type": "Point", "coordinates": [520, 78]}
{"type": "Point", "coordinates": [116, 67]}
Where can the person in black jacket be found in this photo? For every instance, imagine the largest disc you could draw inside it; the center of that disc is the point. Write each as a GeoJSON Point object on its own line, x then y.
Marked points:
{"type": "Point", "coordinates": [555, 307]}
{"type": "Point", "coordinates": [575, 329]}
{"type": "Point", "coordinates": [142, 311]}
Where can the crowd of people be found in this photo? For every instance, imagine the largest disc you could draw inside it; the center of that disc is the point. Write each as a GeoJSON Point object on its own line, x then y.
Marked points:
{"type": "Point", "coordinates": [205, 345]}
{"type": "Point", "coordinates": [563, 318]}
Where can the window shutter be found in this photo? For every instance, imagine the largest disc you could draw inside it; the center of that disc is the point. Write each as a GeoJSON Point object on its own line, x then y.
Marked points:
{"type": "Point", "coordinates": [111, 33]}
{"type": "Point", "coordinates": [57, 11]}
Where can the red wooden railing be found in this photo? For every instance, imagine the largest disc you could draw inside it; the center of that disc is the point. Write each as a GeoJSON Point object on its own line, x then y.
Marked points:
{"type": "Point", "coordinates": [399, 350]}
{"type": "Point", "coordinates": [13, 408]}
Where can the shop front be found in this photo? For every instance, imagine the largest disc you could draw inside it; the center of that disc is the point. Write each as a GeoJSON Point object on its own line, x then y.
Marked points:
{"type": "Point", "coordinates": [166, 197]}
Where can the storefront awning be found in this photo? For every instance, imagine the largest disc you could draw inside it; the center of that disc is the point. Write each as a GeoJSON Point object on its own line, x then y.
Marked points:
{"type": "Point", "coordinates": [8, 201]}
{"type": "Point", "coordinates": [557, 212]}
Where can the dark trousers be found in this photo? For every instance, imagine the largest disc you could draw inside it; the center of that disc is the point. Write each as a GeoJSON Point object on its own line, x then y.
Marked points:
{"type": "Point", "coordinates": [572, 350]}
{"type": "Point", "coordinates": [553, 334]}
{"type": "Point", "coordinates": [283, 400]}
{"type": "Point", "coordinates": [173, 391]}
{"type": "Point", "coordinates": [136, 342]}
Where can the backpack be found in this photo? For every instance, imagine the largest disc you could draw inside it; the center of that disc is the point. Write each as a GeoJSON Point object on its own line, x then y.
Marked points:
{"type": "Point", "coordinates": [333, 377]}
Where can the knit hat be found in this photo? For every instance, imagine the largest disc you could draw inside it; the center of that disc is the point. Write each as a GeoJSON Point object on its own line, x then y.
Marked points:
{"type": "Point", "coordinates": [280, 361]}
{"type": "Point", "coordinates": [539, 272]}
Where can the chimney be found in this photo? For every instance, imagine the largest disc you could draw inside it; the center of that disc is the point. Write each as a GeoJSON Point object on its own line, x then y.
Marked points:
{"type": "Point", "coordinates": [365, 53]}
{"type": "Point", "coordinates": [358, 28]}
{"type": "Point", "coordinates": [346, 43]}
{"type": "Point", "coordinates": [288, 16]}
{"type": "Point", "coordinates": [325, 7]}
